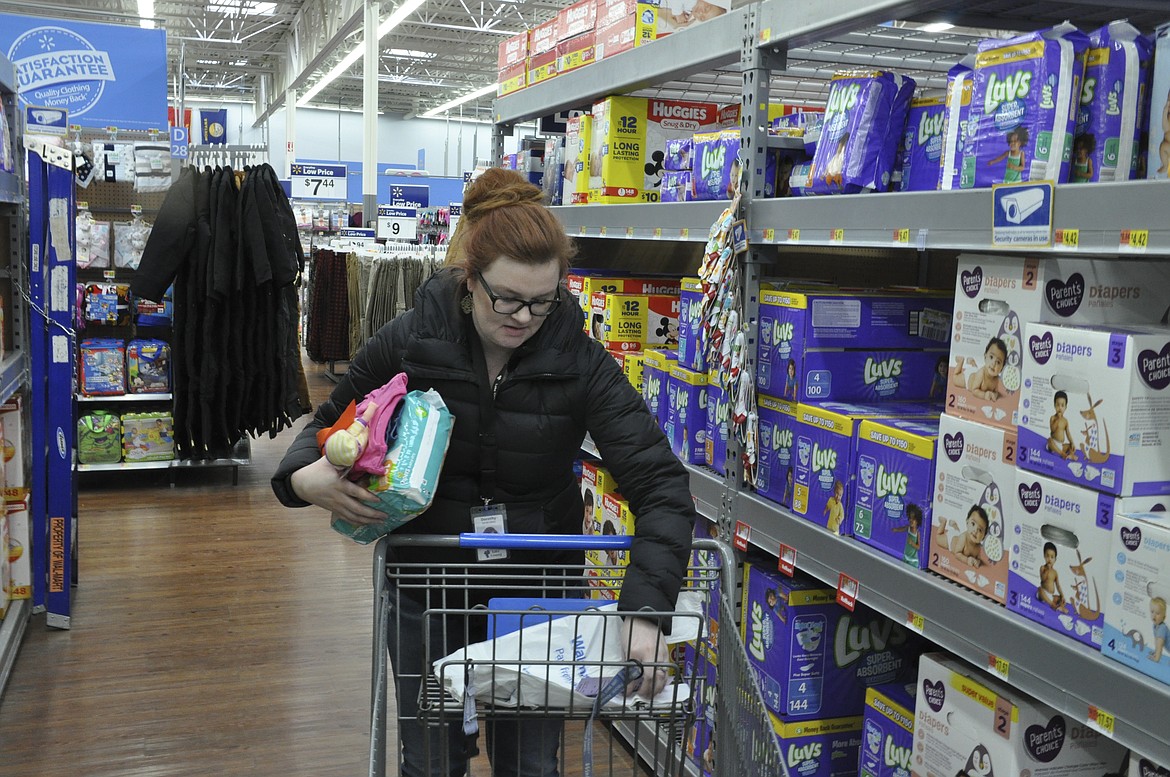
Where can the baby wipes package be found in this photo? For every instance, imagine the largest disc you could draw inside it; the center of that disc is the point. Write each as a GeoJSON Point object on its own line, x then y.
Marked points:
{"type": "Point", "coordinates": [975, 474]}
{"type": "Point", "coordinates": [775, 468]}
{"type": "Point", "coordinates": [955, 116]}
{"type": "Point", "coordinates": [996, 298]}
{"type": "Point", "coordinates": [819, 748]}
{"type": "Point", "coordinates": [1158, 153]}
{"type": "Point", "coordinates": [968, 724]}
{"type": "Point", "coordinates": [1095, 407]}
{"type": "Point", "coordinates": [922, 143]}
{"type": "Point", "coordinates": [863, 125]}
{"type": "Point", "coordinates": [894, 487]}
{"type": "Point", "coordinates": [1136, 633]}
{"type": "Point", "coordinates": [686, 414]}
{"type": "Point", "coordinates": [887, 735]}
{"type": "Point", "coordinates": [1024, 108]}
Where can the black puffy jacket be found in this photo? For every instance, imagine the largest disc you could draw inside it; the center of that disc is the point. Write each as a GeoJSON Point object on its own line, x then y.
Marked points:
{"type": "Point", "coordinates": [557, 386]}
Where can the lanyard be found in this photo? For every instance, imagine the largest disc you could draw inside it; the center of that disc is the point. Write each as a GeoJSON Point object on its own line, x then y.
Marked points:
{"type": "Point", "coordinates": [487, 423]}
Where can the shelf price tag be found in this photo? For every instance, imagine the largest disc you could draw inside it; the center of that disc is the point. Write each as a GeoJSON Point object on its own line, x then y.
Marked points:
{"type": "Point", "coordinates": [787, 562]}
{"type": "Point", "coordinates": [1135, 239]}
{"type": "Point", "coordinates": [1100, 720]}
{"type": "Point", "coordinates": [770, 235]}
{"type": "Point", "coordinates": [657, 233]}
{"type": "Point", "coordinates": [837, 235]}
{"type": "Point", "coordinates": [603, 231]}
{"type": "Point", "coordinates": [743, 533]}
{"type": "Point", "coordinates": [847, 591]}
{"type": "Point", "coordinates": [794, 236]}
{"type": "Point", "coordinates": [1068, 238]}
{"type": "Point", "coordinates": [684, 233]}
{"type": "Point", "coordinates": [999, 666]}
{"type": "Point", "coordinates": [902, 236]}
{"type": "Point", "coordinates": [109, 275]}
{"type": "Point", "coordinates": [915, 622]}
{"type": "Point", "coordinates": [395, 223]}
{"type": "Point", "coordinates": [581, 230]}
{"type": "Point", "coordinates": [318, 182]}
{"type": "Point", "coordinates": [135, 210]}
{"type": "Point", "coordinates": [629, 231]}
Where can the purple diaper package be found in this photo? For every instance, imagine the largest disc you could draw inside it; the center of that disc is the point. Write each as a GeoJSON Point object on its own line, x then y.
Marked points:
{"type": "Point", "coordinates": [863, 125]}
{"type": "Point", "coordinates": [718, 430]}
{"type": "Point", "coordinates": [869, 375]}
{"type": "Point", "coordinates": [676, 186]}
{"type": "Point", "coordinates": [1112, 111]}
{"type": "Point", "coordinates": [922, 144]}
{"type": "Point", "coordinates": [1024, 108]}
{"type": "Point", "coordinates": [678, 154]}
{"type": "Point", "coordinates": [960, 81]}
{"type": "Point", "coordinates": [716, 164]}
{"type": "Point", "coordinates": [774, 473]}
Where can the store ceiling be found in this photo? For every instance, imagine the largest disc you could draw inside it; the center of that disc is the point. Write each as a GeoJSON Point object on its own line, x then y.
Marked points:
{"type": "Point", "coordinates": [247, 49]}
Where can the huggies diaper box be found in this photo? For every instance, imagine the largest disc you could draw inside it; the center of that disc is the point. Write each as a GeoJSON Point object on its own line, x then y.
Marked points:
{"type": "Point", "coordinates": [819, 748]}
{"type": "Point", "coordinates": [691, 343]}
{"type": "Point", "coordinates": [975, 474]}
{"type": "Point", "coordinates": [656, 364]}
{"type": "Point", "coordinates": [631, 363]}
{"type": "Point", "coordinates": [584, 285]}
{"type": "Point", "coordinates": [718, 430]}
{"type": "Point", "coordinates": [1136, 632]}
{"type": "Point", "coordinates": [630, 322]}
{"type": "Point", "coordinates": [636, 26]}
{"type": "Point", "coordinates": [887, 731]}
{"type": "Point", "coordinates": [813, 658]}
{"type": "Point", "coordinates": [542, 52]}
{"type": "Point", "coordinates": [1158, 156]}
{"type": "Point", "coordinates": [1095, 409]}
{"type": "Point", "coordinates": [686, 416]}
{"type": "Point", "coordinates": [578, 136]}
{"type": "Point", "coordinates": [513, 63]}
{"type": "Point", "coordinates": [606, 568]}
{"type": "Point", "coordinates": [966, 723]}
{"type": "Point", "coordinates": [775, 469]}
{"type": "Point", "coordinates": [893, 488]}
{"type": "Point", "coordinates": [996, 298]}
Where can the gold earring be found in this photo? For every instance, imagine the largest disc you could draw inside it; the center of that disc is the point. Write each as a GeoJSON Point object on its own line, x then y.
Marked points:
{"type": "Point", "coordinates": [465, 303]}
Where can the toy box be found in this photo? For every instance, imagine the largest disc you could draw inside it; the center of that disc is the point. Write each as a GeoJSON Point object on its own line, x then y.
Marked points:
{"type": "Point", "coordinates": [1158, 157]}
{"type": "Point", "coordinates": [584, 285]}
{"type": "Point", "coordinates": [691, 343]}
{"type": "Point", "coordinates": [12, 423]}
{"type": "Point", "coordinates": [958, 109]}
{"type": "Point", "coordinates": [922, 144]}
{"type": "Point", "coordinates": [967, 723]}
{"type": "Point", "coordinates": [686, 414]}
{"type": "Point", "coordinates": [1095, 409]}
{"type": "Point", "coordinates": [99, 438]}
{"type": "Point", "coordinates": [108, 303]}
{"type": "Point", "coordinates": [629, 143]}
{"type": "Point", "coordinates": [656, 365]}
{"type": "Point", "coordinates": [813, 658]}
{"type": "Point", "coordinates": [887, 735]}
{"type": "Point", "coordinates": [775, 470]}
{"type": "Point", "coordinates": [1136, 632]}
{"type": "Point", "coordinates": [792, 323]}
{"type": "Point", "coordinates": [103, 367]}
{"type": "Point", "coordinates": [630, 322]}
{"type": "Point", "coordinates": [997, 298]}
{"type": "Point", "coordinates": [819, 748]}
{"type": "Point", "coordinates": [19, 564]}
{"type": "Point", "coordinates": [148, 366]}
{"type": "Point", "coordinates": [1024, 108]}
{"type": "Point", "coordinates": [718, 431]}
{"type": "Point", "coordinates": [894, 487]}
{"type": "Point", "coordinates": [576, 52]}
{"type": "Point", "coordinates": [148, 437]}
{"type": "Point", "coordinates": [975, 473]}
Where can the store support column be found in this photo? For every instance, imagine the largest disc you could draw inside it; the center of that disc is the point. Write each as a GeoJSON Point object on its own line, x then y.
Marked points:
{"type": "Point", "coordinates": [370, 116]}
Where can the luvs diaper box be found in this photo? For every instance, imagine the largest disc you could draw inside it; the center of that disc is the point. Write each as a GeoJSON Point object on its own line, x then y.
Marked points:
{"type": "Point", "coordinates": [691, 343]}
{"type": "Point", "coordinates": [966, 723]}
{"type": "Point", "coordinates": [893, 489]}
{"type": "Point", "coordinates": [686, 414]}
{"type": "Point", "coordinates": [1095, 409]}
{"type": "Point", "coordinates": [1158, 154]}
{"type": "Point", "coordinates": [813, 658]}
{"type": "Point", "coordinates": [656, 364]}
{"type": "Point", "coordinates": [887, 733]}
{"type": "Point", "coordinates": [1024, 105]}
{"type": "Point", "coordinates": [1136, 632]}
{"type": "Point", "coordinates": [718, 430]}
{"type": "Point", "coordinates": [975, 474]}
{"type": "Point", "coordinates": [996, 298]}
{"type": "Point", "coordinates": [775, 471]}
{"type": "Point", "coordinates": [819, 748]}
{"type": "Point", "coordinates": [958, 110]}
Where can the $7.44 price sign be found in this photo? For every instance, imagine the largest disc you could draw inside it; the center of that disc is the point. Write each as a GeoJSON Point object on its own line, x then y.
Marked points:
{"type": "Point", "coordinates": [318, 182]}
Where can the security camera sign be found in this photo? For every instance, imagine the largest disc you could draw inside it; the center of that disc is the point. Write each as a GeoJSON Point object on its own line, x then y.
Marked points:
{"type": "Point", "coordinates": [1021, 214]}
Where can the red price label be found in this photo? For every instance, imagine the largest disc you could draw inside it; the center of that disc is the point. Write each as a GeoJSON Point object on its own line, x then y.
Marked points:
{"type": "Point", "coordinates": [743, 533]}
{"type": "Point", "coordinates": [847, 591]}
{"type": "Point", "coordinates": [787, 563]}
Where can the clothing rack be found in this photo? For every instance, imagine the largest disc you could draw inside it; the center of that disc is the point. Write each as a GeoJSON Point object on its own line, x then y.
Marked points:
{"type": "Point", "coordinates": [235, 157]}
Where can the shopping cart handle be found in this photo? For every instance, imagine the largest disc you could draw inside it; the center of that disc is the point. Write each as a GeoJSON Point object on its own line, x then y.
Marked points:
{"type": "Point", "coordinates": [545, 541]}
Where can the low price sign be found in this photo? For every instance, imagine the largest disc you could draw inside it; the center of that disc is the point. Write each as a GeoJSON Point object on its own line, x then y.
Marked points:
{"type": "Point", "coordinates": [396, 223]}
{"type": "Point", "coordinates": [318, 182]}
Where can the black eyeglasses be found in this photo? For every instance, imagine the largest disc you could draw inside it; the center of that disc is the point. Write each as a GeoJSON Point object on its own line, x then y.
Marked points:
{"type": "Point", "coordinates": [508, 306]}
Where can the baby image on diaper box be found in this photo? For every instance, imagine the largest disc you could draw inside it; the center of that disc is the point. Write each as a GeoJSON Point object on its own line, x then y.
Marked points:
{"type": "Point", "coordinates": [1095, 409]}
{"type": "Point", "coordinates": [1136, 633]}
{"type": "Point", "coordinates": [975, 475]}
{"type": "Point", "coordinates": [887, 733]}
{"type": "Point", "coordinates": [1024, 105]}
{"type": "Point", "coordinates": [775, 471]}
{"type": "Point", "coordinates": [996, 298]}
{"type": "Point", "coordinates": [686, 414]}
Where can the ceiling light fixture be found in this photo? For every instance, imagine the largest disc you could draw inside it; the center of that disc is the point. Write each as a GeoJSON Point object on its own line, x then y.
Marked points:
{"type": "Point", "coordinates": [484, 92]}
{"type": "Point", "coordinates": [146, 14]}
{"type": "Point", "coordinates": [936, 27]}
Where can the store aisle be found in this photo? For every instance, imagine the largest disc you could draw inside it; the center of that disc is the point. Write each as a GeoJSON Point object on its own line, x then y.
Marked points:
{"type": "Point", "coordinates": [214, 633]}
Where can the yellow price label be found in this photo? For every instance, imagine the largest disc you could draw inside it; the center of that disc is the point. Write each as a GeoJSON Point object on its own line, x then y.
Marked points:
{"type": "Point", "coordinates": [657, 233]}
{"type": "Point", "coordinates": [915, 622]}
{"type": "Point", "coordinates": [902, 236]}
{"type": "Point", "coordinates": [581, 230]}
{"type": "Point", "coordinates": [629, 231]}
{"type": "Point", "coordinates": [82, 205]}
{"type": "Point", "coordinates": [837, 236]}
{"type": "Point", "coordinates": [1101, 720]}
{"type": "Point", "coordinates": [1000, 666]}
{"type": "Point", "coordinates": [1137, 239]}
{"type": "Point", "coordinates": [603, 231]}
{"type": "Point", "coordinates": [109, 275]}
{"type": "Point", "coordinates": [765, 35]}
{"type": "Point", "coordinates": [684, 233]}
{"type": "Point", "coordinates": [769, 235]}
{"type": "Point", "coordinates": [1069, 238]}
{"type": "Point", "coordinates": [794, 235]}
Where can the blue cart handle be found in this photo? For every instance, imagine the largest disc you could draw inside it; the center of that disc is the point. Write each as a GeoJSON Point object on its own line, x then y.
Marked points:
{"type": "Point", "coordinates": [545, 541]}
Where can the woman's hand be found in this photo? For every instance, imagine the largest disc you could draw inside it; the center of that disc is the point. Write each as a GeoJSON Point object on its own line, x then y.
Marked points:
{"type": "Point", "coordinates": [321, 484]}
{"type": "Point", "coordinates": [645, 644]}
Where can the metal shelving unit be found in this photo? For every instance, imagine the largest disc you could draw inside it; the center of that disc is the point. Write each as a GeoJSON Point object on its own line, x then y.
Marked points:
{"type": "Point", "coordinates": [677, 221]}
{"type": "Point", "coordinates": [126, 398]}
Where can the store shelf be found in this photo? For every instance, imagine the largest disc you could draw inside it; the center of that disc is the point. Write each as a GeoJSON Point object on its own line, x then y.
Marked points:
{"type": "Point", "coordinates": [11, 633]}
{"type": "Point", "coordinates": [708, 490]}
{"type": "Point", "coordinates": [1059, 671]}
{"type": "Point", "coordinates": [126, 398]}
{"type": "Point", "coordinates": [125, 465]}
{"type": "Point", "coordinates": [961, 220]}
{"type": "Point", "coordinates": [671, 221]}
{"type": "Point", "coordinates": [13, 374]}
{"type": "Point", "coordinates": [10, 188]}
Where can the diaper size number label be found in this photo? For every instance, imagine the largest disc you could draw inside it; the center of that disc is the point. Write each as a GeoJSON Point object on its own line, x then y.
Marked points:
{"type": "Point", "coordinates": [1135, 239]}
{"type": "Point", "coordinates": [999, 666]}
{"type": "Point", "coordinates": [1100, 720]}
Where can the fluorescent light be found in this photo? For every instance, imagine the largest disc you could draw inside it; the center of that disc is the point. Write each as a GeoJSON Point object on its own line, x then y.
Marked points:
{"type": "Point", "coordinates": [146, 14]}
{"type": "Point", "coordinates": [489, 89]}
{"type": "Point", "coordinates": [392, 21]}
{"type": "Point", "coordinates": [936, 27]}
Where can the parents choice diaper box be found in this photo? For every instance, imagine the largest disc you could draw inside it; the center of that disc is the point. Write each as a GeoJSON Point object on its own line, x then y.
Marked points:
{"type": "Point", "coordinates": [691, 343]}
{"type": "Point", "coordinates": [1107, 146]}
{"type": "Point", "coordinates": [864, 121]}
{"type": "Point", "coordinates": [887, 732]}
{"type": "Point", "coordinates": [1136, 633]}
{"type": "Point", "coordinates": [1140, 766]}
{"type": "Point", "coordinates": [776, 469]}
{"type": "Point", "coordinates": [813, 658]}
{"type": "Point", "coordinates": [819, 748]}
{"type": "Point", "coordinates": [1024, 108]}
{"type": "Point", "coordinates": [922, 143]}
{"type": "Point", "coordinates": [19, 563]}
{"type": "Point", "coordinates": [1158, 153]}
{"type": "Point", "coordinates": [631, 322]}
{"type": "Point", "coordinates": [1095, 407]}
{"type": "Point", "coordinates": [997, 298]}
{"type": "Point", "coordinates": [958, 110]}
{"type": "Point", "coordinates": [578, 136]}
{"type": "Point", "coordinates": [975, 473]}
{"type": "Point", "coordinates": [893, 488]}
{"type": "Point", "coordinates": [686, 414]}
{"type": "Point", "coordinates": [628, 146]}
{"type": "Point", "coordinates": [966, 723]}
{"type": "Point", "coordinates": [718, 428]}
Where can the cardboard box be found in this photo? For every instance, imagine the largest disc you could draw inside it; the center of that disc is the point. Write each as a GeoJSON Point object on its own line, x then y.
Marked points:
{"type": "Point", "coordinates": [691, 344]}
{"type": "Point", "coordinates": [675, 15]}
{"type": "Point", "coordinates": [631, 364]}
{"type": "Point", "coordinates": [894, 487]}
{"type": "Point", "coordinates": [513, 78]}
{"type": "Point", "coordinates": [1158, 158]}
{"type": "Point", "coordinates": [630, 322]}
{"type": "Point", "coordinates": [575, 19]}
{"type": "Point", "coordinates": [19, 549]}
{"type": "Point", "coordinates": [1138, 594]}
{"type": "Point", "coordinates": [542, 38]}
{"type": "Point", "coordinates": [820, 748]}
{"type": "Point", "coordinates": [12, 421]}
{"type": "Point", "coordinates": [775, 468]}
{"type": "Point", "coordinates": [148, 437]}
{"type": "Point", "coordinates": [975, 472]}
{"type": "Point", "coordinates": [873, 376]}
{"type": "Point", "coordinates": [1140, 766]}
{"type": "Point", "coordinates": [578, 137]}
{"type": "Point", "coordinates": [576, 52]}
{"type": "Point", "coordinates": [718, 429]}
{"type": "Point", "coordinates": [596, 482]}
{"type": "Point", "coordinates": [656, 365]}
{"type": "Point", "coordinates": [1095, 409]}
{"type": "Point", "coordinates": [967, 723]}
{"type": "Point", "coordinates": [513, 51]}
{"type": "Point", "coordinates": [5, 573]}
{"type": "Point", "coordinates": [628, 32]}
{"type": "Point", "coordinates": [542, 67]}
{"type": "Point", "coordinates": [686, 414]}
{"type": "Point", "coordinates": [887, 738]}
{"type": "Point", "coordinates": [701, 736]}
{"type": "Point", "coordinates": [103, 367]}
{"type": "Point", "coordinates": [997, 298]}
{"type": "Point", "coordinates": [585, 284]}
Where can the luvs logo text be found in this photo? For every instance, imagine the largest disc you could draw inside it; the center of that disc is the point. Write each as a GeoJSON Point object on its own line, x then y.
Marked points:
{"type": "Point", "coordinates": [876, 370]}
{"type": "Point", "coordinates": [798, 754]}
{"type": "Point", "coordinates": [897, 756]}
{"type": "Point", "coordinates": [756, 644]}
{"type": "Point", "coordinates": [929, 126]}
{"type": "Point", "coordinates": [713, 157]}
{"type": "Point", "coordinates": [823, 458]}
{"type": "Point", "coordinates": [782, 331]}
{"type": "Point", "coordinates": [1002, 90]}
{"type": "Point", "coordinates": [890, 482]}
{"type": "Point", "coordinates": [854, 640]}
{"type": "Point", "coordinates": [781, 439]}
{"type": "Point", "coordinates": [843, 99]}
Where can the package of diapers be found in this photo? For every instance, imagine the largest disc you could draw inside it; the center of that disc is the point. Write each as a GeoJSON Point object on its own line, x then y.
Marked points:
{"type": "Point", "coordinates": [678, 154]}
{"type": "Point", "coordinates": [1024, 108]}
{"type": "Point", "coordinates": [716, 164]}
{"type": "Point", "coordinates": [421, 432]}
{"type": "Point", "coordinates": [960, 82]}
{"type": "Point", "coordinates": [1109, 122]}
{"type": "Point", "coordinates": [922, 143]}
{"type": "Point", "coordinates": [1136, 633]}
{"type": "Point", "coordinates": [99, 438]}
{"type": "Point", "coordinates": [862, 128]}
{"type": "Point", "coordinates": [676, 186]}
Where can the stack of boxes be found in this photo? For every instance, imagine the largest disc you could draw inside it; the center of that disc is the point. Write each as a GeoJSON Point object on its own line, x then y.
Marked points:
{"type": "Point", "coordinates": [576, 36]}
{"type": "Point", "coordinates": [15, 537]}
